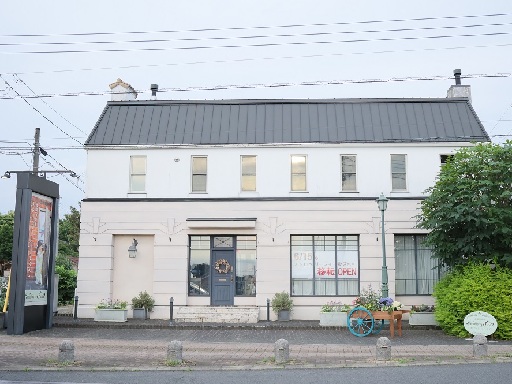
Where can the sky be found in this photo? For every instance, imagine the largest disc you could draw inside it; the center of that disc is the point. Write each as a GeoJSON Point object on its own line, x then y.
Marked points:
{"type": "Point", "coordinates": [58, 58]}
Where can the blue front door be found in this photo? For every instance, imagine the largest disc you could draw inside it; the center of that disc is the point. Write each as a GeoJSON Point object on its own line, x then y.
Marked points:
{"type": "Point", "coordinates": [223, 277]}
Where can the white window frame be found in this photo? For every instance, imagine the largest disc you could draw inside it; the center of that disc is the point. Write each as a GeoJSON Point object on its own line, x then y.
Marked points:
{"type": "Point", "coordinates": [244, 173]}
{"type": "Point", "coordinates": [192, 174]}
{"type": "Point", "coordinates": [292, 173]}
{"type": "Point", "coordinates": [133, 173]}
{"type": "Point", "coordinates": [343, 172]}
{"type": "Point", "coordinates": [398, 173]}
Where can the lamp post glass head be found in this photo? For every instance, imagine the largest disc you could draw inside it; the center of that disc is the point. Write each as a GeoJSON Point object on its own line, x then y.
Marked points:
{"type": "Point", "coordinates": [382, 202]}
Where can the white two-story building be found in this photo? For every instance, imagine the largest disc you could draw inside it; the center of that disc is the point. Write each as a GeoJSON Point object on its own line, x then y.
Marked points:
{"type": "Point", "coordinates": [231, 201]}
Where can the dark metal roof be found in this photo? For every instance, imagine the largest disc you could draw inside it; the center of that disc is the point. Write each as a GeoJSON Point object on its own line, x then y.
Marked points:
{"type": "Point", "coordinates": [286, 121]}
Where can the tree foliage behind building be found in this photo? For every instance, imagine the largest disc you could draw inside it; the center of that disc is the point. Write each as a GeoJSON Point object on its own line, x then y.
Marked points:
{"type": "Point", "coordinates": [6, 236]}
{"type": "Point", "coordinates": [469, 209]}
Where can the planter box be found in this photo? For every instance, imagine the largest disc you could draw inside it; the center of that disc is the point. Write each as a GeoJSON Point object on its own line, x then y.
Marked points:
{"type": "Point", "coordinates": [140, 313]}
{"type": "Point", "coordinates": [283, 316]}
{"type": "Point", "coordinates": [422, 318]}
{"type": "Point", "coordinates": [333, 319]}
{"type": "Point", "coordinates": [114, 315]}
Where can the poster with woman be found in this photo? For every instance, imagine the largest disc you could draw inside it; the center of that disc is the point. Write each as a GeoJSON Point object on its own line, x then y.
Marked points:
{"type": "Point", "coordinates": [38, 250]}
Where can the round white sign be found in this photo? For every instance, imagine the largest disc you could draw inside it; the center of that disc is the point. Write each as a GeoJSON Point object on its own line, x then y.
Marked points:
{"type": "Point", "coordinates": [480, 323]}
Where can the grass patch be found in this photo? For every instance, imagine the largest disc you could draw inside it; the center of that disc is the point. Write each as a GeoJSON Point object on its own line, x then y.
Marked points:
{"type": "Point", "coordinates": [62, 364]}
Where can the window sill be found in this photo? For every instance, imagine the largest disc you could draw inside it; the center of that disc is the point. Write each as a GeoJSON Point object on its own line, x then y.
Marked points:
{"type": "Point", "coordinates": [400, 191]}
{"type": "Point", "coordinates": [349, 192]}
{"type": "Point", "coordinates": [198, 193]}
{"type": "Point", "coordinates": [299, 191]}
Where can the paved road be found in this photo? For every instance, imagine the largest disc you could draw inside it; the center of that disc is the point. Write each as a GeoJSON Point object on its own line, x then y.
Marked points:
{"type": "Point", "coordinates": [453, 374]}
{"type": "Point", "coordinates": [245, 349]}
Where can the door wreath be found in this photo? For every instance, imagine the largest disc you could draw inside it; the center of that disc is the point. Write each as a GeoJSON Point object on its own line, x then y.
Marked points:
{"type": "Point", "coordinates": [222, 266]}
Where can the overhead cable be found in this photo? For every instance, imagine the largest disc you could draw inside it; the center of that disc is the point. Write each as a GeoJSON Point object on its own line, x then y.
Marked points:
{"type": "Point", "coordinates": [272, 85]}
{"type": "Point", "coordinates": [260, 45]}
{"type": "Point", "coordinates": [261, 26]}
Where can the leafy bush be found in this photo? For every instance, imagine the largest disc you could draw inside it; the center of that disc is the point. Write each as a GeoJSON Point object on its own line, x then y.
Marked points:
{"type": "Point", "coordinates": [281, 302]}
{"type": "Point", "coordinates": [143, 300]}
{"type": "Point", "coordinates": [474, 287]}
{"type": "Point", "coordinates": [67, 284]}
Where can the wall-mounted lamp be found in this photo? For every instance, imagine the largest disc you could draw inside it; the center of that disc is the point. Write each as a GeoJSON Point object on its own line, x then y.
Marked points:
{"type": "Point", "coordinates": [132, 249]}
{"type": "Point", "coordinates": [6, 175]}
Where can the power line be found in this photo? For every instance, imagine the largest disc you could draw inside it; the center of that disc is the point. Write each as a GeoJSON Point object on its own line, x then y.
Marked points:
{"type": "Point", "coordinates": [64, 175]}
{"type": "Point", "coordinates": [257, 59]}
{"type": "Point", "coordinates": [273, 85]}
{"type": "Point", "coordinates": [261, 45]}
{"type": "Point", "coordinates": [35, 109]}
{"type": "Point", "coordinates": [262, 26]}
{"type": "Point", "coordinates": [250, 37]}
{"type": "Point", "coordinates": [49, 106]}
{"type": "Point", "coordinates": [58, 162]}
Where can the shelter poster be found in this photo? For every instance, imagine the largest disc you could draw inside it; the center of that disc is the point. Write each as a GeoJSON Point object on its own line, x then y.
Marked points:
{"type": "Point", "coordinates": [38, 250]}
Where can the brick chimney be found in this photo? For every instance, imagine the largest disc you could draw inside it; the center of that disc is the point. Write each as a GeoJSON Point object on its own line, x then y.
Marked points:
{"type": "Point", "coordinates": [459, 90]}
{"type": "Point", "coordinates": [122, 91]}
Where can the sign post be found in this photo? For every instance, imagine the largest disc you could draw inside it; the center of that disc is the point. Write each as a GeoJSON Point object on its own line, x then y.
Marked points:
{"type": "Point", "coordinates": [480, 323]}
{"type": "Point", "coordinates": [33, 254]}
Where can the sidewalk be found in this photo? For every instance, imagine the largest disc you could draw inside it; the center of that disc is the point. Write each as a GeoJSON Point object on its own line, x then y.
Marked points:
{"type": "Point", "coordinates": [142, 345]}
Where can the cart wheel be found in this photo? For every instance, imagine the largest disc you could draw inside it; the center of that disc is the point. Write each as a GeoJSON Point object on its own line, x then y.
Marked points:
{"type": "Point", "coordinates": [360, 322]}
{"type": "Point", "coordinates": [377, 327]}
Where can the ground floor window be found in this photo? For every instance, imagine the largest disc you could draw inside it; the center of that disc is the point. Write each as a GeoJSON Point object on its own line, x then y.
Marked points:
{"type": "Point", "coordinates": [325, 265]}
{"type": "Point", "coordinates": [242, 265]}
{"type": "Point", "coordinates": [199, 277]}
{"type": "Point", "coordinates": [416, 272]}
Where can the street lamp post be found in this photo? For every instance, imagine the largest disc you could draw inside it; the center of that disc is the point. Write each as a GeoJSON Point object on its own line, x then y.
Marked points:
{"type": "Point", "coordinates": [382, 202]}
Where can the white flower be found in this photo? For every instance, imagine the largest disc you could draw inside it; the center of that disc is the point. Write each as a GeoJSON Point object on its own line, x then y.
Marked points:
{"type": "Point", "coordinates": [397, 305]}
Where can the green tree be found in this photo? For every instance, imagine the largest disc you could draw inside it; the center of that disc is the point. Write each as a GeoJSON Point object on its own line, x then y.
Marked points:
{"type": "Point", "coordinates": [469, 210]}
{"type": "Point", "coordinates": [6, 238]}
{"type": "Point", "coordinates": [69, 233]}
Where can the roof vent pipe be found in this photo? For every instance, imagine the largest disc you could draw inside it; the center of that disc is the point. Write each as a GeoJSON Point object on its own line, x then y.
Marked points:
{"type": "Point", "coordinates": [154, 90]}
{"type": "Point", "coordinates": [457, 73]}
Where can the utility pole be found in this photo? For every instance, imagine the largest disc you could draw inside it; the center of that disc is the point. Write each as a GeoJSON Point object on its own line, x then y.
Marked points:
{"type": "Point", "coordinates": [35, 159]}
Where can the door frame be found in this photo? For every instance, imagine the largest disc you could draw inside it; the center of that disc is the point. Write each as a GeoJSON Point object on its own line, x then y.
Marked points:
{"type": "Point", "coordinates": [216, 277]}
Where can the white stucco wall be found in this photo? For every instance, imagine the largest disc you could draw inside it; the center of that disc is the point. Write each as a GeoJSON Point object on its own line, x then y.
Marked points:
{"type": "Point", "coordinates": [108, 227]}
{"type": "Point", "coordinates": [169, 170]}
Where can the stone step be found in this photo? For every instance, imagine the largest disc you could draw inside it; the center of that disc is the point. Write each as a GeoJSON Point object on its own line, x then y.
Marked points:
{"type": "Point", "coordinates": [217, 314]}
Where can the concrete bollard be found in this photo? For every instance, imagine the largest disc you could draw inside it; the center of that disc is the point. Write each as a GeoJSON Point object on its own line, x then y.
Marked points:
{"type": "Point", "coordinates": [66, 352]}
{"type": "Point", "coordinates": [282, 351]}
{"type": "Point", "coordinates": [383, 349]}
{"type": "Point", "coordinates": [479, 346]}
{"type": "Point", "coordinates": [174, 351]}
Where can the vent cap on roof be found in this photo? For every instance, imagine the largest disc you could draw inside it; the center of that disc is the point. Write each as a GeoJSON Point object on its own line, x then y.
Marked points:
{"type": "Point", "coordinates": [154, 90]}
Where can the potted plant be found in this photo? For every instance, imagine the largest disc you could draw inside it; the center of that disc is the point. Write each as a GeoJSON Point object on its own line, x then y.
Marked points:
{"type": "Point", "coordinates": [142, 305]}
{"type": "Point", "coordinates": [423, 315]}
{"type": "Point", "coordinates": [282, 305]}
{"type": "Point", "coordinates": [334, 314]}
{"type": "Point", "coordinates": [111, 310]}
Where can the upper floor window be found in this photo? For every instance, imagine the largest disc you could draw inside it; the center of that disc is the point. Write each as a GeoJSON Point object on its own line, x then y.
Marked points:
{"type": "Point", "coordinates": [444, 159]}
{"type": "Point", "coordinates": [398, 173]}
{"type": "Point", "coordinates": [348, 173]}
{"type": "Point", "coordinates": [199, 169]}
{"type": "Point", "coordinates": [298, 173]}
{"type": "Point", "coordinates": [137, 174]}
{"type": "Point", "coordinates": [248, 165]}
